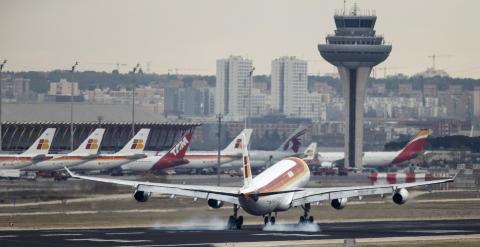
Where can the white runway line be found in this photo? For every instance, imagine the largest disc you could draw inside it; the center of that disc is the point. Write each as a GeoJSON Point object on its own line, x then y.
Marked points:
{"type": "Point", "coordinates": [9, 236]}
{"type": "Point", "coordinates": [437, 231]}
{"type": "Point", "coordinates": [60, 234]}
{"type": "Point", "coordinates": [124, 233]}
{"type": "Point", "coordinates": [109, 240]}
{"type": "Point", "coordinates": [290, 235]}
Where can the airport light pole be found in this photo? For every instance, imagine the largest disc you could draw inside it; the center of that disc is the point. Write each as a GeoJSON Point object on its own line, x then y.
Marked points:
{"type": "Point", "coordinates": [1, 125]}
{"type": "Point", "coordinates": [250, 74]}
{"type": "Point", "coordinates": [136, 69]}
{"type": "Point", "coordinates": [219, 117]}
{"type": "Point", "coordinates": [71, 106]}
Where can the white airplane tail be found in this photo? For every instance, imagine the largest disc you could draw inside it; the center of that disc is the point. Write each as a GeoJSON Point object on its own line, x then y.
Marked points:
{"type": "Point", "coordinates": [311, 152]}
{"type": "Point", "coordinates": [91, 145]}
{"type": "Point", "coordinates": [247, 171]}
{"type": "Point", "coordinates": [136, 145]}
{"type": "Point", "coordinates": [294, 138]}
{"type": "Point", "coordinates": [236, 146]}
{"type": "Point", "coordinates": [42, 144]}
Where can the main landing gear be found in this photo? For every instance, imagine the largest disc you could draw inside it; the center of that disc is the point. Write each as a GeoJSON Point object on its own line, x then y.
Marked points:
{"type": "Point", "coordinates": [305, 219]}
{"type": "Point", "coordinates": [235, 222]}
{"type": "Point", "coordinates": [269, 219]}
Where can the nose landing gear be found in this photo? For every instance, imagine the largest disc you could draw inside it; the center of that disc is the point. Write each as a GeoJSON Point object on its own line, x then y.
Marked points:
{"type": "Point", "coordinates": [235, 222]}
{"type": "Point", "coordinates": [269, 219]}
{"type": "Point", "coordinates": [305, 219]}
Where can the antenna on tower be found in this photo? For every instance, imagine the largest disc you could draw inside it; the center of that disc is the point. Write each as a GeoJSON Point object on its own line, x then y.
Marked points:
{"type": "Point", "coordinates": [355, 9]}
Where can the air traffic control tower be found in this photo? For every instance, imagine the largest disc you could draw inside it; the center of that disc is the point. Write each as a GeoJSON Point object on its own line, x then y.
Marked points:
{"type": "Point", "coordinates": [354, 49]}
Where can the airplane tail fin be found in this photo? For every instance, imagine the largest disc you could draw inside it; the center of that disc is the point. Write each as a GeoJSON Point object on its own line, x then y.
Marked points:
{"type": "Point", "coordinates": [294, 139]}
{"type": "Point", "coordinates": [236, 146]}
{"type": "Point", "coordinates": [42, 144]}
{"type": "Point", "coordinates": [311, 152]}
{"type": "Point", "coordinates": [91, 145]}
{"type": "Point", "coordinates": [175, 156]}
{"type": "Point", "coordinates": [414, 147]}
{"type": "Point", "coordinates": [247, 171]}
{"type": "Point", "coordinates": [136, 145]}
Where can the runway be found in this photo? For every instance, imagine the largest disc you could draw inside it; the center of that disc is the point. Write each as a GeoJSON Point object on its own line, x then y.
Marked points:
{"type": "Point", "coordinates": [199, 236]}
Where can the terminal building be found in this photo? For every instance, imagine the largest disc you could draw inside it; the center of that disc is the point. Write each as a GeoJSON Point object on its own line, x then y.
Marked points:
{"type": "Point", "coordinates": [23, 123]}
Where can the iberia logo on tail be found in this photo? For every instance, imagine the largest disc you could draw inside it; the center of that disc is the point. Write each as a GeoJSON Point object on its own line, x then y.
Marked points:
{"type": "Point", "coordinates": [92, 144]}
{"type": "Point", "coordinates": [43, 144]}
{"type": "Point", "coordinates": [414, 148]}
{"type": "Point", "coordinates": [137, 144]}
{"type": "Point", "coordinates": [238, 143]}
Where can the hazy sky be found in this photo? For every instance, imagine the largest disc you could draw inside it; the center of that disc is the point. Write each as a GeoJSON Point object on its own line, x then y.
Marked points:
{"type": "Point", "coordinates": [192, 34]}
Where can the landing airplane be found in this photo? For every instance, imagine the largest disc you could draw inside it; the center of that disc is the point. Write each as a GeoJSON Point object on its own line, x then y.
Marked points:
{"type": "Point", "coordinates": [133, 150]}
{"type": "Point", "coordinates": [279, 188]}
{"type": "Point", "coordinates": [86, 151]}
{"type": "Point", "coordinates": [162, 160]}
{"type": "Point", "coordinates": [378, 159]}
{"type": "Point", "coordinates": [208, 159]}
{"type": "Point", "coordinates": [35, 153]}
{"type": "Point", "coordinates": [262, 158]}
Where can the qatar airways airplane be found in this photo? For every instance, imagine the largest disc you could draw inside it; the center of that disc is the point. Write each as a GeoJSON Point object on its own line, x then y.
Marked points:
{"type": "Point", "coordinates": [413, 149]}
{"type": "Point", "coordinates": [279, 188]}
{"type": "Point", "coordinates": [86, 151]}
{"type": "Point", "coordinates": [133, 150]}
{"type": "Point", "coordinates": [35, 153]}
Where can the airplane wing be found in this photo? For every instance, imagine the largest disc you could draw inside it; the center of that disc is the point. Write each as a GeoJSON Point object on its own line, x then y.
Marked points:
{"type": "Point", "coordinates": [309, 195]}
{"type": "Point", "coordinates": [225, 194]}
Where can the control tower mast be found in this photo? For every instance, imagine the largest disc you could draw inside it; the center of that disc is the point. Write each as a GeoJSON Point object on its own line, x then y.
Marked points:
{"type": "Point", "coordinates": [354, 49]}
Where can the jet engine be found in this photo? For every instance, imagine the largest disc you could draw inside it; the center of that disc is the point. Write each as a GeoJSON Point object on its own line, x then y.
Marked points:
{"type": "Point", "coordinates": [141, 196]}
{"type": "Point", "coordinates": [401, 196]}
{"type": "Point", "coordinates": [339, 203]}
{"type": "Point", "coordinates": [215, 203]}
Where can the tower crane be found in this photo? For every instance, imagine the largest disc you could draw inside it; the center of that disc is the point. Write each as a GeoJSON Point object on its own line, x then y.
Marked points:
{"type": "Point", "coordinates": [434, 57]}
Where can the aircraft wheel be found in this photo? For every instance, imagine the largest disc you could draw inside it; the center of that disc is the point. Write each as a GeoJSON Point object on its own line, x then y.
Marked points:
{"type": "Point", "coordinates": [302, 220]}
{"type": "Point", "coordinates": [272, 220]}
{"type": "Point", "coordinates": [239, 222]}
{"type": "Point", "coordinates": [265, 220]}
{"type": "Point", "coordinates": [231, 222]}
{"type": "Point", "coordinates": [310, 219]}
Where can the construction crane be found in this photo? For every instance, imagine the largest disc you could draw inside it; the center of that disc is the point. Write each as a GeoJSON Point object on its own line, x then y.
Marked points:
{"type": "Point", "coordinates": [434, 57]}
{"type": "Point", "coordinates": [177, 70]}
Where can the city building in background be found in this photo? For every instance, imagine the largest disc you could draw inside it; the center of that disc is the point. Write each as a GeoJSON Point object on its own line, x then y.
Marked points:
{"type": "Point", "coordinates": [232, 87]}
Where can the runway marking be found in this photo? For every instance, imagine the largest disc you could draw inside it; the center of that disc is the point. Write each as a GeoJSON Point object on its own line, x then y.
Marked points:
{"type": "Point", "coordinates": [290, 235]}
{"type": "Point", "coordinates": [166, 245]}
{"type": "Point", "coordinates": [124, 233]}
{"type": "Point", "coordinates": [109, 240]}
{"type": "Point", "coordinates": [9, 236]}
{"type": "Point", "coordinates": [437, 231]}
{"type": "Point", "coordinates": [60, 234]}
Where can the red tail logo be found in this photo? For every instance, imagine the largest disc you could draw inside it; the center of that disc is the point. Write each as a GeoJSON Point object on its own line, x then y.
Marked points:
{"type": "Point", "coordinates": [175, 155]}
{"type": "Point", "coordinates": [415, 147]}
{"type": "Point", "coordinates": [295, 140]}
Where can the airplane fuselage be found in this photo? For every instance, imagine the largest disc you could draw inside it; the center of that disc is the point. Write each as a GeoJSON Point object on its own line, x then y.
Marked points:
{"type": "Point", "coordinates": [57, 162]}
{"type": "Point", "coordinates": [103, 162]}
{"type": "Point", "coordinates": [261, 158]}
{"type": "Point", "coordinates": [14, 161]}
{"type": "Point", "coordinates": [199, 160]}
{"type": "Point", "coordinates": [287, 174]}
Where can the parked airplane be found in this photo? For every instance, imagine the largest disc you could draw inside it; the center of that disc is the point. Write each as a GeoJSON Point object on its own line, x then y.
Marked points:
{"type": "Point", "coordinates": [279, 188]}
{"type": "Point", "coordinates": [377, 159]}
{"type": "Point", "coordinates": [35, 153]}
{"type": "Point", "coordinates": [208, 159]}
{"type": "Point", "coordinates": [133, 150]}
{"type": "Point", "coordinates": [86, 151]}
{"type": "Point", "coordinates": [162, 160]}
{"type": "Point", "coordinates": [262, 158]}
